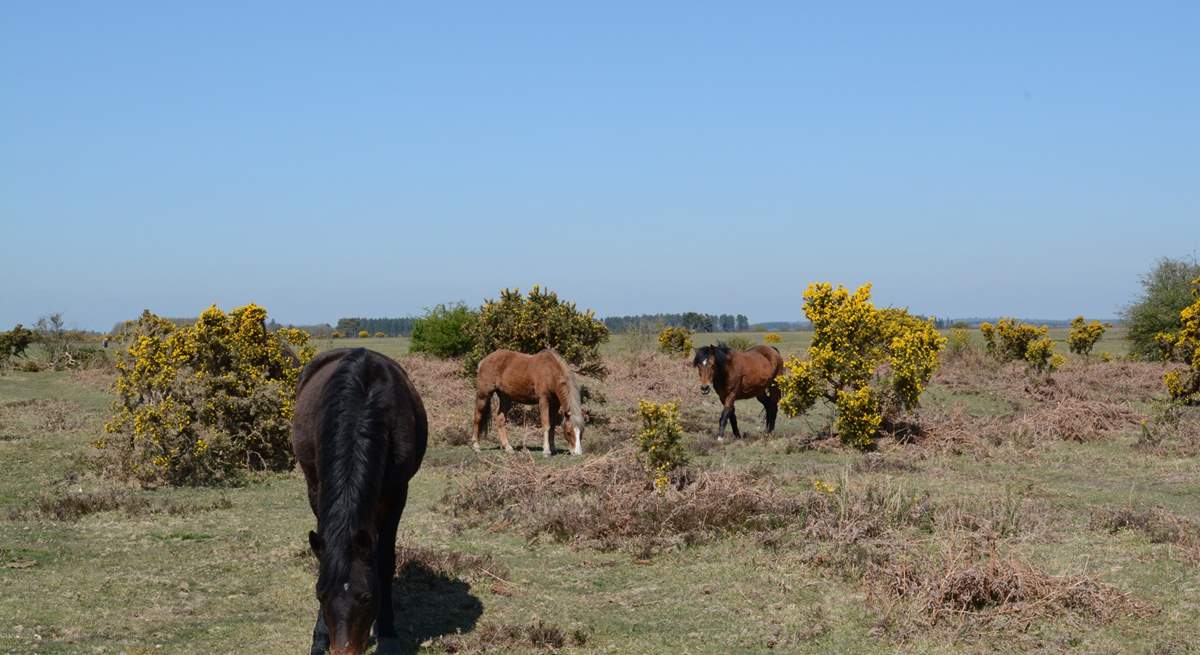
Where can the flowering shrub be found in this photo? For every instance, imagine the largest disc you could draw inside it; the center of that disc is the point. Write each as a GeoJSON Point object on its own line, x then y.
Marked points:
{"type": "Point", "coordinates": [771, 337]}
{"type": "Point", "coordinates": [958, 343]}
{"type": "Point", "coordinates": [1184, 346]}
{"type": "Point", "coordinates": [869, 363]}
{"type": "Point", "coordinates": [1083, 337]}
{"type": "Point", "coordinates": [661, 440]}
{"type": "Point", "coordinates": [363, 334]}
{"type": "Point", "coordinates": [196, 403]}
{"type": "Point", "coordinates": [380, 335]}
{"type": "Point", "coordinates": [675, 340]}
{"type": "Point", "coordinates": [1021, 342]}
{"type": "Point", "coordinates": [336, 335]}
{"type": "Point", "coordinates": [529, 324]}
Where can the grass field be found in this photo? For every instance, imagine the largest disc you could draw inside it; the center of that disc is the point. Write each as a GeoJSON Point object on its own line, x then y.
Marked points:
{"type": "Point", "coordinates": [1026, 481]}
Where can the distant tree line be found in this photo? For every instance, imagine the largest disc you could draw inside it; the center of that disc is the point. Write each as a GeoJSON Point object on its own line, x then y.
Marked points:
{"type": "Point", "coordinates": [392, 327]}
{"type": "Point", "coordinates": [694, 321]}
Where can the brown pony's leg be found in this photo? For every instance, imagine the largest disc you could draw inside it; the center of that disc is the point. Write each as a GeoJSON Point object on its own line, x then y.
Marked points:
{"type": "Point", "coordinates": [502, 420]}
{"type": "Point", "coordinates": [547, 427]}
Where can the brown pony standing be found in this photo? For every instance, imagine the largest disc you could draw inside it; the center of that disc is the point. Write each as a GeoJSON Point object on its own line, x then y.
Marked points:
{"type": "Point", "coordinates": [738, 375]}
{"type": "Point", "coordinates": [359, 434]}
{"type": "Point", "coordinates": [543, 379]}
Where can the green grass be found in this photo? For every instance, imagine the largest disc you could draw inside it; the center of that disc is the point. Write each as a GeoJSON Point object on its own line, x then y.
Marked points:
{"type": "Point", "coordinates": [235, 579]}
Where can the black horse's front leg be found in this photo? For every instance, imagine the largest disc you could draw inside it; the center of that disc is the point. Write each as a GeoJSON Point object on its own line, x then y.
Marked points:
{"type": "Point", "coordinates": [726, 414]}
{"type": "Point", "coordinates": [733, 423]}
{"type": "Point", "coordinates": [320, 643]}
{"type": "Point", "coordinates": [385, 570]}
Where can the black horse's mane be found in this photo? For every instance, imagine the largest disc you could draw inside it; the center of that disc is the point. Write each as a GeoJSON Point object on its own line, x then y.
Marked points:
{"type": "Point", "coordinates": [719, 353]}
{"type": "Point", "coordinates": [356, 403]}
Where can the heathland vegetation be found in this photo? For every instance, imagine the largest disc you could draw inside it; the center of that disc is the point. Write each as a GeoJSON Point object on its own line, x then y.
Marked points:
{"type": "Point", "coordinates": [1023, 488]}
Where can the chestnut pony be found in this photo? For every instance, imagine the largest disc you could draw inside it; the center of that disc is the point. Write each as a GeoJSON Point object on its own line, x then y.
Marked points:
{"type": "Point", "coordinates": [359, 434]}
{"type": "Point", "coordinates": [738, 375]}
{"type": "Point", "coordinates": [543, 379]}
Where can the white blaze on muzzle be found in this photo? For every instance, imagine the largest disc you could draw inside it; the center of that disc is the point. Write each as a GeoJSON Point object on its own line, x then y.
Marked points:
{"type": "Point", "coordinates": [578, 443]}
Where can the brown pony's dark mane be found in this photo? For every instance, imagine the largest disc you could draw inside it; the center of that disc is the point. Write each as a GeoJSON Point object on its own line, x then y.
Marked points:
{"type": "Point", "coordinates": [720, 354]}
{"type": "Point", "coordinates": [353, 429]}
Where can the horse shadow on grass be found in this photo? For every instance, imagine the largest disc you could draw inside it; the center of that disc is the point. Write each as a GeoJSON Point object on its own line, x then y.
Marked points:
{"type": "Point", "coordinates": [429, 604]}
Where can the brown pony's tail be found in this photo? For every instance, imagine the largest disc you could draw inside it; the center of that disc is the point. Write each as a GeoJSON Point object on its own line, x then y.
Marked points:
{"type": "Point", "coordinates": [485, 417]}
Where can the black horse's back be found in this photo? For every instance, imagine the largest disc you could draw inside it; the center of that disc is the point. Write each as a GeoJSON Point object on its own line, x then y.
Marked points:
{"type": "Point", "coordinates": [360, 433]}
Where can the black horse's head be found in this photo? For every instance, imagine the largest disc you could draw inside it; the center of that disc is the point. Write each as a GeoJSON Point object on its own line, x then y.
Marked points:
{"type": "Point", "coordinates": [710, 363]}
{"type": "Point", "coordinates": [346, 589]}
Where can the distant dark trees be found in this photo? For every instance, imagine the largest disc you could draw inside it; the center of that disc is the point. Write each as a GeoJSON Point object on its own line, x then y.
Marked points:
{"type": "Point", "coordinates": [392, 327]}
{"type": "Point", "coordinates": [694, 321]}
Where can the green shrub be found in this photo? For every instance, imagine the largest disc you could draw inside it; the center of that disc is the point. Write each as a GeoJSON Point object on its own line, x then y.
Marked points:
{"type": "Point", "coordinates": [675, 340]}
{"type": "Point", "coordinates": [739, 343]}
{"type": "Point", "coordinates": [661, 441]}
{"type": "Point", "coordinates": [444, 331]}
{"type": "Point", "coordinates": [14, 343]}
{"type": "Point", "coordinates": [197, 403]}
{"type": "Point", "coordinates": [529, 324]}
{"type": "Point", "coordinates": [1083, 336]}
{"type": "Point", "coordinates": [869, 363]}
{"type": "Point", "coordinates": [1166, 291]}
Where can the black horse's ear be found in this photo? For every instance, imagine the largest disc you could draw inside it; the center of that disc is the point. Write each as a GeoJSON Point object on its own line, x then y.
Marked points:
{"type": "Point", "coordinates": [363, 544]}
{"type": "Point", "coordinates": [315, 542]}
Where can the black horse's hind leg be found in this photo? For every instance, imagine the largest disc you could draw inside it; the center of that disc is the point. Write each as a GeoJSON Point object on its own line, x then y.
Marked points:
{"type": "Point", "coordinates": [771, 406]}
{"type": "Point", "coordinates": [320, 643]}
{"type": "Point", "coordinates": [385, 570]}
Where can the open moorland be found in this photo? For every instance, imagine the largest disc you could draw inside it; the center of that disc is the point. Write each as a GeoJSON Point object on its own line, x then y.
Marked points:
{"type": "Point", "coordinates": [1013, 514]}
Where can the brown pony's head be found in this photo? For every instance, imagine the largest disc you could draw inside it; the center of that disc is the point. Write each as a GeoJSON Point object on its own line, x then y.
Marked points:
{"type": "Point", "coordinates": [710, 363]}
{"type": "Point", "coordinates": [346, 590]}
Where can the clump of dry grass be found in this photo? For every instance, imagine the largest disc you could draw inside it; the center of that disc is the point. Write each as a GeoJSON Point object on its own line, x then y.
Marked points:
{"type": "Point", "coordinates": [412, 558]}
{"type": "Point", "coordinates": [41, 415]}
{"type": "Point", "coordinates": [1075, 419]}
{"type": "Point", "coordinates": [537, 637]}
{"type": "Point", "coordinates": [986, 591]}
{"type": "Point", "coordinates": [608, 502]}
{"type": "Point", "coordinates": [72, 506]}
{"type": "Point", "coordinates": [1159, 526]}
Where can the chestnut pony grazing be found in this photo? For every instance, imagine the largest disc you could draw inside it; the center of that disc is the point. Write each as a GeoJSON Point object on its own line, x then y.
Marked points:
{"type": "Point", "coordinates": [543, 379]}
{"type": "Point", "coordinates": [359, 434]}
{"type": "Point", "coordinates": [738, 375]}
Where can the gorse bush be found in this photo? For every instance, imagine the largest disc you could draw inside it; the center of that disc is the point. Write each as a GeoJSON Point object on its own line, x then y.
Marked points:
{"type": "Point", "coordinates": [14, 343]}
{"type": "Point", "coordinates": [869, 363]}
{"type": "Point", "coordinates": [1184, 346]}
{"type": "Point", "coordinates": [772, 338]}
{"type": "Point", "coordinates": [1166, 291]}
{"type": "Point", "coordinates": [1083, 336]}
{"type": "Point", "coordinates": [1021, 342]}
{"type": "Point", "coordinates": [675, 340]}
{"type": "Point", "coordinates": [531, 323]}
{"type": "Point", "coordinates": [336, 335]}
{"type": "Point", "coordinates": [444, 331]}
{"type": "Point", "coordinates": [958, 344]}
{"type": "Point", "coordinates": [380, 335]}
{"type": "Point", "coordinates": [363, 334]}
{"type": "Point", "coordinates": [197, 403]}
{"type": "Point", "coordinates": [661, 441]}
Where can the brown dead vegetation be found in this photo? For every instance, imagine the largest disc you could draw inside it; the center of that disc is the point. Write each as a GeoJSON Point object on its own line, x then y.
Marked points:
{"type": "Point", "coordinates": [535, 637]}
{"type": "Point", "coordinates": [977, 590]}
{"type": "Point", "coordinates": [1158, 525]}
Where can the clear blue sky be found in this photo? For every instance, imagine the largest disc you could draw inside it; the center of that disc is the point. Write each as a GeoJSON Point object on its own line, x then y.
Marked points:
{"type": "Point", "coordinates": [373, 159]}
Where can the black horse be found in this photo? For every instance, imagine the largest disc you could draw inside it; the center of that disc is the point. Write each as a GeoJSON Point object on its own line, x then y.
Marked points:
{"type": "Point", "coordinates": [359, 434]}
